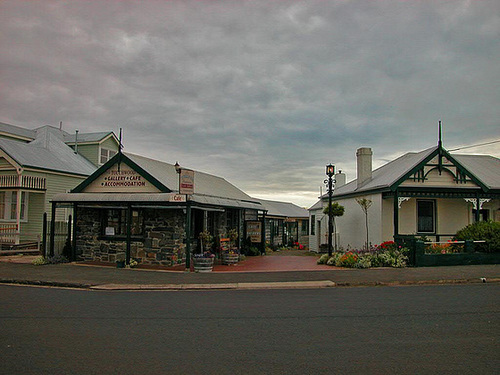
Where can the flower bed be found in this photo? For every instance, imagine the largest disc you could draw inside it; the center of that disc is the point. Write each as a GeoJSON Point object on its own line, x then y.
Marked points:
{"type": "Point", "coordinates": [387, 254]}
{"type": "Point", "coordinates": [450, 247]}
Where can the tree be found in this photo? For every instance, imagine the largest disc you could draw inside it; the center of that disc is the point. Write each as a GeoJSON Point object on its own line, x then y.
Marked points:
{"type": "Point", "coordinates": [365, 204]}
{"type": "Point", "coordinates": [337, 210]}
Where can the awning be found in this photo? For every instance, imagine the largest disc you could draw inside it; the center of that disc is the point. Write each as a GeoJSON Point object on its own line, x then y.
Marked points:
{"type": "Point", "coordinates": [154, 198]}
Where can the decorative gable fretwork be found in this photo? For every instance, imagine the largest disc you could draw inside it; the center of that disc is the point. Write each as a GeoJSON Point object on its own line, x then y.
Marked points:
{"type": "Point", "coordinates": [475, 202]}
{"type": "Point", "coordinates": [440, 171]}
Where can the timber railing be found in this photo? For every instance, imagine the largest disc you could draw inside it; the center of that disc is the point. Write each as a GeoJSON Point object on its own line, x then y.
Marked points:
{"type": "Point", "coordinates": [26, 182]}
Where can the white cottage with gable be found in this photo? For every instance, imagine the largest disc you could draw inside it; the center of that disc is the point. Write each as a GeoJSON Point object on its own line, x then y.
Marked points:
{"type": "Point", "coordinates": [430, 193]}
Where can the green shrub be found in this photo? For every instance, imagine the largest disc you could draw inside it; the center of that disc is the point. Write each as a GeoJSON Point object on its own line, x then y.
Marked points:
{"type": "Point", "coordinates": [334, 258]}
{"type": "Point", "coordinates": [39, 261]}
{"type": "Point", "coordinates": [323, 259]}
{"type": "Point", "coordinates": [253, 251]}
{"type": "Point", "coordinates": [393, 258]}
{"type": "Point", "coordinates": [364, 261]}
{"type": "Point", "coordinates": [56, 259]}
{"type": "Point", "coordinates": [488, 231]}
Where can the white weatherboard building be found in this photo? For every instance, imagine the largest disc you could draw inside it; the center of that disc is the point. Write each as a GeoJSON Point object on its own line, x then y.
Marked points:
{"type": "Point", "coordinates": [430, 193]}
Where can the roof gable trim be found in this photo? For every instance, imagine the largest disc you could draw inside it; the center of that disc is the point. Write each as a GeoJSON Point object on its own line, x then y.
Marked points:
{"type": "Point", "coordinates": [116, 160]}
{"type": "Point", "coordinates": [440, 152]}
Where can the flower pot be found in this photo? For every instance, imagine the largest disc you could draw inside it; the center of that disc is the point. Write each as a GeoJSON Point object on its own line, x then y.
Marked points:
{"type": "Point", "coordinates": [230, 259]}
{"type": "Point", "coordinates": [203, 264]}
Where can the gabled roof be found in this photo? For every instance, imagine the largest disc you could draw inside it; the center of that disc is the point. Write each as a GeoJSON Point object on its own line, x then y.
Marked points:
{"type": "Point", "coordinates": [205, 184]}
{"type": "Point", "coordinates": [209, 189]}
{"type": "Point", "coordinates": [47, 151]}
{"type": "Point", "coordinates": [17, 132]}
{"type": "Point", "coordinates": [482, 169]}
{"type": "Point", "coordinates": [30, 134]}
{"type": "Point", "coordinates": [317, 205]}
{"type": "Point", "coordinates": [284, 209]}
{"type": "Point", "coordinates": [97, 137]}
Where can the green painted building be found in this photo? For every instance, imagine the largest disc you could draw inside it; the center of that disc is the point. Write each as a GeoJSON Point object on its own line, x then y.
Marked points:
{"type": "Point", "coordinates": [35, 165]}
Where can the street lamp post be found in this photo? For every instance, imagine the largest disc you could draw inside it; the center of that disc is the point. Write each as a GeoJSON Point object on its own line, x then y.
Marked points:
{"type": "Point", "coordinates": [178, 169]}
{"type": "Point", "coordinates": [330, 172]}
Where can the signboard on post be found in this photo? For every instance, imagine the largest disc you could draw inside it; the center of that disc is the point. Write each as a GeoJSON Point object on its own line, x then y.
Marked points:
{"type": "Point", "coordinates": [186, 182]}
{"type": "Point", "coordinates": [254, 231]}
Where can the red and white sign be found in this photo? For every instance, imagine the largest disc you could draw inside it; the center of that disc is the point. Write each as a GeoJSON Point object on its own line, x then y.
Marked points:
{"type": "Point", "coordinates": [186, 182]}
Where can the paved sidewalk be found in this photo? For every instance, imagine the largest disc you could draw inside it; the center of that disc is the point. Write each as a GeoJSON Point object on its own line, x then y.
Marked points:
{"type": "Point", "coordinates": [110, 278]}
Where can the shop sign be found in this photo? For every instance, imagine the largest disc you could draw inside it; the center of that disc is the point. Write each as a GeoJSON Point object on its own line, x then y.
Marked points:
{"type": "Point", "coordinates": [186, 182]}
{"type": "Point", "coordinates": [177, 198]}
{"type": "Point", "coordinates": [122, 179]}
{"type": "Point", "coordinates": [254, 231]}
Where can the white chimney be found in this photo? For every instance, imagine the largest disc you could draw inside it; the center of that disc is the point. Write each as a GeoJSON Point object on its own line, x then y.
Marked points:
{"type": "Point", "coordinates": [340, 179]}
{"type": "Point", "coordinates": [364, 159]}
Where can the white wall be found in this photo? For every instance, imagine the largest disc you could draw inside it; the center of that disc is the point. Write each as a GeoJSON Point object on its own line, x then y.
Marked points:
{"type": "Point", "coordinates": [352, 228]}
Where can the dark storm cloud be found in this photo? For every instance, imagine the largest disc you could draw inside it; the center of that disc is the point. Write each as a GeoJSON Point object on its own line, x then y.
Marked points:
{"type": "Point", "coordinates": [261, 93]}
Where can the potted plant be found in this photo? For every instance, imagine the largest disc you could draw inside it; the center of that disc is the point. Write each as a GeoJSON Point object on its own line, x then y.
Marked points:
{"type": "Point", "coordinates": [120, 260]}
{"type": "Point", "coordinates": [231, 256]}
{"type": "Point", "coordinates": [204, 261]}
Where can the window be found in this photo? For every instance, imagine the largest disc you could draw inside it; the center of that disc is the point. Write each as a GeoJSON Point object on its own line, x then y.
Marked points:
{"type": "Point", "coordinates": [426, 216]}
{"type": "Point", "coordinates": [313, 225]}
{"type": "Point", "coordinates": [484, 215]}
{"type": "Point", "coordinates": [115, 223]}
{"type": "Point", "coordinates": [303, 228]}
{"type": "Point", "coordinates": [8, 205]}
{"type": "Point", "coordinates": [106, 155]}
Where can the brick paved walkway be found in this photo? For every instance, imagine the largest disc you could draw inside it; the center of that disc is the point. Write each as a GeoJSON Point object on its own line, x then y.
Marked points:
{"type": "Point", "coordinates": [269, 263]}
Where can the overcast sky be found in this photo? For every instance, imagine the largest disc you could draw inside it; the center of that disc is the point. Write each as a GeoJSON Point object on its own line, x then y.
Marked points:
{"type": "Point", "coordinates": [262, 93]}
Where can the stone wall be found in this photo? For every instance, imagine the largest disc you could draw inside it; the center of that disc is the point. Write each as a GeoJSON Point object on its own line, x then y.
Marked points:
{"type": "Point", "coordinates": [162, 243]}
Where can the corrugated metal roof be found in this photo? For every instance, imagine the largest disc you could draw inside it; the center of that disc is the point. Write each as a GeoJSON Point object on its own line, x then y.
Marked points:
{"type": "Point", "coordinates": [486, 168]}
{"type": "Point", "coordinates": [284, 209]}
{"type": "Point", "coordinates": [205, 184]}
{"type": "Point", "coordinates": [317, 205]}
{"type": "Point", "coordinates": [87, 137]}
{"type": "Point", "coordinates": [47, 151]}
{"type": "Point", "coordinates": [67, 137]}
{"type": "Point", "coordinates": [151, 198]}
{"type": "Point", "coordinates": [16, 130]}
{"type": "Point", "coordinates": [386, 175]}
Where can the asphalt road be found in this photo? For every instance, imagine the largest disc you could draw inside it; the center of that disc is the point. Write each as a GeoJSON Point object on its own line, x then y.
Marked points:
{"type": "Point", "coordinates": [379, 330]}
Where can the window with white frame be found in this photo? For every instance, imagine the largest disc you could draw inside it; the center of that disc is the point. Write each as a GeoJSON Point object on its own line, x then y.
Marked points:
{"type": "Point", "coordinates": [106, 154]}
{"type": "Point", "coordinates": [8, 205]}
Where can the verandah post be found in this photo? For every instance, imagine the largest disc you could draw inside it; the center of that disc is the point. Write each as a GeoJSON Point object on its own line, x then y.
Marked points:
{"type": "Point", "coordinates": [52, 229]}
{"type": "Point", "coordinates": [44, 235]}
{"type": "Point", "coordinates": [129, 236]}
{"type": "Point", "coordinates": [188, 235]}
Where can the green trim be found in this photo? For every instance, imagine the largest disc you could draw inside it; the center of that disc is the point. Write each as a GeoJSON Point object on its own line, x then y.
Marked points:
{"type": "Point", "coordinates": [356, 194]}
{"type": "Point", "coordinates": [465, 172]}
{"type": "Point", "coordinates": [117, 159]}
{"type": "Point", "coordinates": [440, 152]}
{"type": "Point", "coordinates": [442, 193]}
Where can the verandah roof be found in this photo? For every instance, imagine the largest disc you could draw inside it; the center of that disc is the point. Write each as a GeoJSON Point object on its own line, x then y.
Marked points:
{"type": "Point", "coordinates": [152, 198]}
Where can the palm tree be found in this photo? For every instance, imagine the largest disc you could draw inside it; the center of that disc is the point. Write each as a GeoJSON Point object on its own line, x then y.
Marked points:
{"type": "Point", "coordinates": [337, 210]}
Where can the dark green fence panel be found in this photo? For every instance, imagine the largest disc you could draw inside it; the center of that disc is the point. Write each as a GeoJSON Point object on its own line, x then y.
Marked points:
{"type": "Point", "coordinates": [418, 257]}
